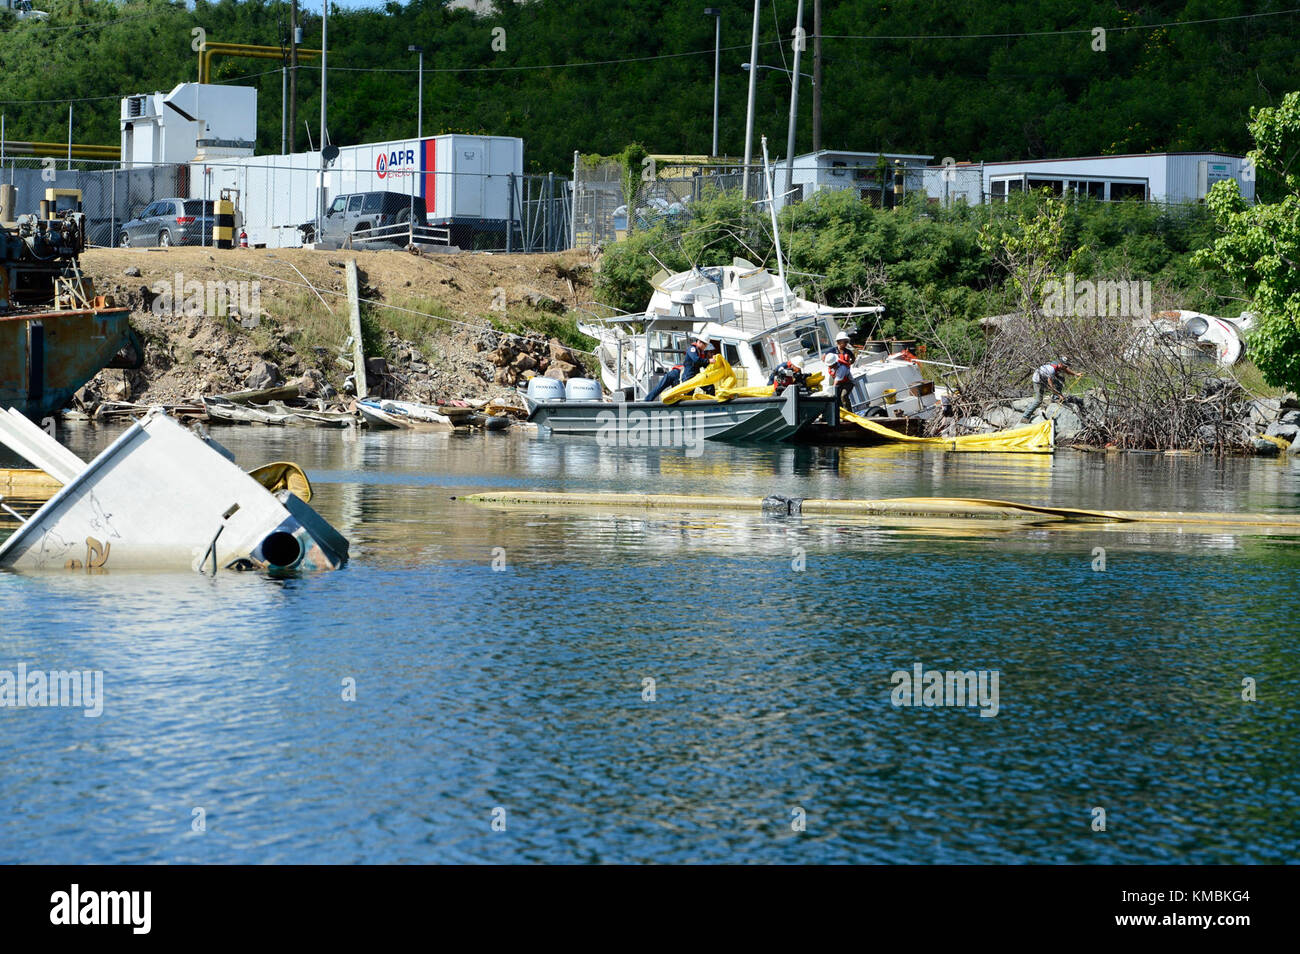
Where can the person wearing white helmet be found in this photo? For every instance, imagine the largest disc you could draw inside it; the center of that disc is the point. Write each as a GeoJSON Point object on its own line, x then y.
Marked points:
{"type": "Point", "coordinates": [839, 365]}
{"type": "Point", "coordinates": [698, 356]}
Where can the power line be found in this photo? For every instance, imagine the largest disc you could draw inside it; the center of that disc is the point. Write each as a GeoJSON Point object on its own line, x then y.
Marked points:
{"type": "Point", "coordinates": [545, 66]}
{"type": "Point", "coordinates": [1070, 32]}
{"type": "Point", "coordinates": [54, 28]}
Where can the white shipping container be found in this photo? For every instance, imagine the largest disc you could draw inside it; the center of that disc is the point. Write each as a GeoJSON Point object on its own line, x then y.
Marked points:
{"type": "Point", "coordinates": [464, 180]}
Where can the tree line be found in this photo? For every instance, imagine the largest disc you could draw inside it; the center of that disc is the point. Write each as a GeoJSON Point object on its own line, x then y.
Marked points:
{"type": "Point", "coordinates": [1005, 79]}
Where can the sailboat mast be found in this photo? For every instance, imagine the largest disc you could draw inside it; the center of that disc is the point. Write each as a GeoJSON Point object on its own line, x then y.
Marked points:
{"type": "Point", "coordinates": [776, 232]}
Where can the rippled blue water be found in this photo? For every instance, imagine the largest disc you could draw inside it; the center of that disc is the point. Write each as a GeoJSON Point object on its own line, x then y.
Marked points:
{"type": "Point", "coordinates": [522, 689]}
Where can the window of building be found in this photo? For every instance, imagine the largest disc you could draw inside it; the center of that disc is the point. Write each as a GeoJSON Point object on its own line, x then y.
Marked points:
{"type": "Point", "coordinates": [1128, 190]}
{"type": "Point", "coordinates": [1054, 186]}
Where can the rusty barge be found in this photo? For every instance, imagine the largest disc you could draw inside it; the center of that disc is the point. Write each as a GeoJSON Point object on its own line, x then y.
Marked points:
{"type": "Point", "coordinates": [55, 332]}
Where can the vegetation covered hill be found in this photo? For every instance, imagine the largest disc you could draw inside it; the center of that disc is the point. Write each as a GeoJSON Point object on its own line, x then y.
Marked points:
{"type": "Point", "coordinates": [994, 80]}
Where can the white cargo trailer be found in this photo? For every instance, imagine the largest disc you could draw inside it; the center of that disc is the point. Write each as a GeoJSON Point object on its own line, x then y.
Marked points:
{"type": "Point", "coordinates": [465, 182]}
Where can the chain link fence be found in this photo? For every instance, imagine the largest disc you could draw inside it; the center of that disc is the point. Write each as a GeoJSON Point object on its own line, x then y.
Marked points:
{"type": "Point", "coordinates": [604, 211]}
{"type": "Point", "coordinates": [664, 192]}
{"type": "Point", "coordinates": [274, 201]}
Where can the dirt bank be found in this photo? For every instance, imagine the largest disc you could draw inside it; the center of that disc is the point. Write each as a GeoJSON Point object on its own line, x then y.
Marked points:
{"type": "Point", "coordinates": [433, 320]}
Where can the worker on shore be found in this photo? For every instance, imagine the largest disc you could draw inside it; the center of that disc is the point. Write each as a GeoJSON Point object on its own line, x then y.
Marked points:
{"type": "Point", "coordinates": [839, 365]}
{"type": "Point", "coordinates": [1048, 379]}
{"type": "Point", "coordinates": [698, 356]}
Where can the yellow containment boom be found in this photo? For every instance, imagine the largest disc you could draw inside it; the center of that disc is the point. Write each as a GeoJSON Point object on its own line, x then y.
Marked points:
{"type": "Point", "coordinates": [924, 508]}
{"type": "Point", "coordinates": [720, 375]}
{"type": "Point", "coordinates": [1029, 439]}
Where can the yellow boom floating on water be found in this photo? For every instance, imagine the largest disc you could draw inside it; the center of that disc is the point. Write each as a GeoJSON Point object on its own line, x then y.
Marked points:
{"type": "Point", "coordinates": [1029, 439]}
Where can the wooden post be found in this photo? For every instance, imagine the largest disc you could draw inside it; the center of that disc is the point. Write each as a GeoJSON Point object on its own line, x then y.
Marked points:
{"type": "Point", "coordinates": [358, 349]}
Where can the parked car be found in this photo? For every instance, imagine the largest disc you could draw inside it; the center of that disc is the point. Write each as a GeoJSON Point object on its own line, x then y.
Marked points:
{"type": "Point", "coordinates": [169, 222]}
{"type": "Point", "coordinates": [361, 212]}
{"type": "Point", "coordinates": [23, 10]}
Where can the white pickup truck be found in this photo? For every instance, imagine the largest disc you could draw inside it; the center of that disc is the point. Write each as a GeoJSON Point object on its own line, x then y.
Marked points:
{"type": "Point", "coordinates": [22, 9]}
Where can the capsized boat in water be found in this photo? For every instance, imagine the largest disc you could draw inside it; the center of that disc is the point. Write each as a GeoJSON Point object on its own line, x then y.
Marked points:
{"type": "Point", "coordinates": [757, 322]}
{"type": "Point", "coordinates": [161, 497]}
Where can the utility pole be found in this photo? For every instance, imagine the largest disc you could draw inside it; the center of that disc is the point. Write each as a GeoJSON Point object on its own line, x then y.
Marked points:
{"type": "Point", "coordinates": [419, 122]}
{"type": "Point", "coordinates": [749, 112]}
{"type": "Point", "coordinates": [717, 61]}
{"type": "Point", "coordinates": [817, 76]}
{"type": "Point", "coordinates": [293, 75]}
{"type": "Point", "coordinates": [795, 77]}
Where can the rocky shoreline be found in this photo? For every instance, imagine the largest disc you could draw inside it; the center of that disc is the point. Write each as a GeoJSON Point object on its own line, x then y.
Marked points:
{"type": "Point", "coordinates": [1265, 426]}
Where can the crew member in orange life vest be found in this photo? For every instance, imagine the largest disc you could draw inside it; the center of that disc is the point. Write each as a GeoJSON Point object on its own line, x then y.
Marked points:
{"type": "Point", "coordinates": [698, 356]}
{"type": "Point", "coordinates": [839, 364]}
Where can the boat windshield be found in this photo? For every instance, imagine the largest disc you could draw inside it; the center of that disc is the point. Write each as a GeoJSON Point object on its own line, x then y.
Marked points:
{"type": "Point", "coordinates": [816, 338]}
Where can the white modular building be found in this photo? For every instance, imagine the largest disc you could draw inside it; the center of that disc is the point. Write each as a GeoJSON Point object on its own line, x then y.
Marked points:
{"type": "Point", "coordinates": [870, 175]}
{"type": "Point", "coordinates": [1169, 177]}
{"type": "Point", "coordinates": [468, 183]}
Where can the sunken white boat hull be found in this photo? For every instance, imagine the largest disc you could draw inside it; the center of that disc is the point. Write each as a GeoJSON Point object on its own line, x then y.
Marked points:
{"type": "Point", "coordinates": [162, 498]}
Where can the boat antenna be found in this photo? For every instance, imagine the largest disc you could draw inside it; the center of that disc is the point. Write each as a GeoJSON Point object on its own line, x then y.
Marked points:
{"type": "Point", "coordinates": [776, 232]}
{"type": "Point", "coordinates": [651, 253]}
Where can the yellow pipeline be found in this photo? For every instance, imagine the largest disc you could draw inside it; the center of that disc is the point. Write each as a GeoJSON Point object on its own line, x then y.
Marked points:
{"type": "Point", "coordinates": [209, 50]}
{"type": "Point", "coordinates": [59, 150]}
{"type": "Point", "coordinates": [966, 508]}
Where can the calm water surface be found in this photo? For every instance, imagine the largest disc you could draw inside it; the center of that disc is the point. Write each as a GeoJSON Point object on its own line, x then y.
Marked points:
{"type": "Point", "coordinates": [522, 689]}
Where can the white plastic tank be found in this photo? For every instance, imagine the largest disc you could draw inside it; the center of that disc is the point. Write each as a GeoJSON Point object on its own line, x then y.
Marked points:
{"type": "Point", "coordinates": [545, 389]}
{"type": "Point", "coordinates": [582, 389]}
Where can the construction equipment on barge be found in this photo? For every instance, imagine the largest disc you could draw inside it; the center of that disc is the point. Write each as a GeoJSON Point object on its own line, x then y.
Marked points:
{"type": "Point", "coordinates": [55, 332]}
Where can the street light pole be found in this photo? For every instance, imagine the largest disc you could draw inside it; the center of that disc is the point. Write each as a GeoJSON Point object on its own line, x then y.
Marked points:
{"type": "Point", "coordinates": [293, 75]}
{"type": "Point", "coordinates": [749, 112]}
{"type": "Point", "coordinates": [794, 104]}
{"type": "Point", "coordinates": [717, 60]}
{"type": "Point", "coordinates": [817, 76]}
{"type": "Point", "coordinates": [324, 51]}
{"type": "Point", "coordinates": [419, 129]}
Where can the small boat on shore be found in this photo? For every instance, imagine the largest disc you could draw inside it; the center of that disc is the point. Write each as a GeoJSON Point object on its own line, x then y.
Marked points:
{"type": "Point", "coordinates": [223, 411]}
{"type": "Point", "coordinates": [411, 415]}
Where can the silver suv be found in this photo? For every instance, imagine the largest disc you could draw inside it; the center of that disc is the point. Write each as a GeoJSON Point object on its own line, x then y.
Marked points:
{"type": "Point", "coordinates": [170, 222]}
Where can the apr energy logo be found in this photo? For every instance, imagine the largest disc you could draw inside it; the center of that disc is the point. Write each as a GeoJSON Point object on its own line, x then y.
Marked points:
{"type": "Point", "coordinates": [400, 162]}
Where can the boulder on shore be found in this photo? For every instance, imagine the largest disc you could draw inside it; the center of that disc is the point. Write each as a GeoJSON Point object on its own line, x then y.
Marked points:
{"type": "Point", "coordinates": [264, 374]}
